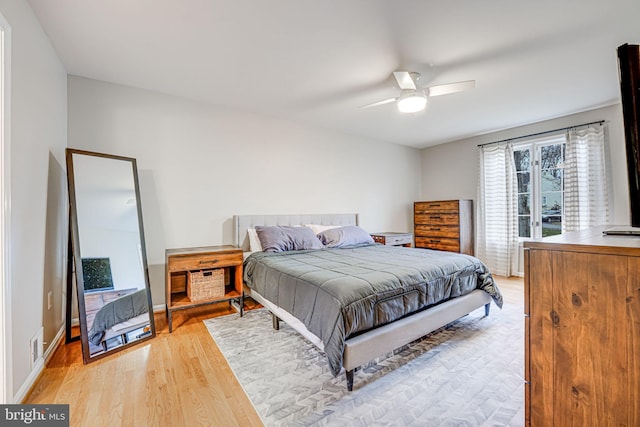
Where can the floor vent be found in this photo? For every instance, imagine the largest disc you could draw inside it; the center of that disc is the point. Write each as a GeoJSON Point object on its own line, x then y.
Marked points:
{"type": "Point", "coordinates": [35, 347]}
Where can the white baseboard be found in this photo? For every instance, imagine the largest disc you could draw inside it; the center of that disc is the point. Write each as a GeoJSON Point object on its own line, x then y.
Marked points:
{"type": "Point", "coordinates": [39, 367]}
{"type": "Point", "coordinates": [30, 381]}
{"type": "Point", "coordinates": [54, 344]}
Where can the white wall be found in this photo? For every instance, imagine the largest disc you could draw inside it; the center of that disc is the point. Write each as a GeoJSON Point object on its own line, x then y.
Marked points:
{"type": "Point", "coordinates": [38, 123]}
{"type": "Point", "coordinates": [122, 249]}
{"type": "Point", "coordinates": [201, 164]}
{"type": "Point", "coordinates": [450, 171]}
{"type": "Point", "coordinates": [55, 253]}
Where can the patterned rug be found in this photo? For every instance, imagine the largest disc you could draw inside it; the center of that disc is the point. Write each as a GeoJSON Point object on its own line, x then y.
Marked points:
{"type": "Point", "coordinates": [469, 373]}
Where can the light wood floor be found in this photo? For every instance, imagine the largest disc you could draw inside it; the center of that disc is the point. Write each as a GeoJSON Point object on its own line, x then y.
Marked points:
{"type": "Point", "coordinates": [178, 379]}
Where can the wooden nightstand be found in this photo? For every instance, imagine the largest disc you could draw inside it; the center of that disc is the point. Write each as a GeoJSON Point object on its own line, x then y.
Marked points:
{"type": "Point", "coordinates": [179, 262]}
{"type": "Point", "coordinates": [393, 239]}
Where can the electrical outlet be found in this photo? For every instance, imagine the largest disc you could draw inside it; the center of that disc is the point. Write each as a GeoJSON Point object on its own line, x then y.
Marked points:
{"type": "Point", "coordinates": [49, 300]}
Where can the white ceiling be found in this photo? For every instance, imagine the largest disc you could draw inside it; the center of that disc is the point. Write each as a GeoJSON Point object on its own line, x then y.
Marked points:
{"type": "Point", "coordinates": [316, 61]}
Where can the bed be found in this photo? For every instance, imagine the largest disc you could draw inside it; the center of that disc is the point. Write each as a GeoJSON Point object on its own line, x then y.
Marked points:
{"type": "Point", "coordinates": [118, 318]}
{"type": "Point", "coordinates": [361, 300]}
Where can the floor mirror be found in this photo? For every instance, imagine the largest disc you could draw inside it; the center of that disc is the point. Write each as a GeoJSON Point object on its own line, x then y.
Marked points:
{"type": "Point", "coordinates": [109, 261]}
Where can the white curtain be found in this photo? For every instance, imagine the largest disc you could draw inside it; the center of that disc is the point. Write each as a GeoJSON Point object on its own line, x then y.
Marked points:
{"type": "Point", "coordinates": [497, 216]}
{"type": "Point", "coordinates": [585, 181]}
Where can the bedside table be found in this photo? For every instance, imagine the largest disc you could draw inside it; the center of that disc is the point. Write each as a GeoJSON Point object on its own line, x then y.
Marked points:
{"type": "Point", "coordinates": [393, 239]}
{"type": "Point", "coordinates": [180, 263]}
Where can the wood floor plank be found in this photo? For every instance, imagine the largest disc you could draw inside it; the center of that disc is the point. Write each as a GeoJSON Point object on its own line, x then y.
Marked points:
{"type": "Point", "coordinates": [176, 379]}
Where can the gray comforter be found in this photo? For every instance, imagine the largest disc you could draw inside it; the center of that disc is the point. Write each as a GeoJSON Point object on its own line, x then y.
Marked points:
{"type": "Point", "coordinates": [117, 311]}
{"type": "Point", "coordinates": [338, 293]}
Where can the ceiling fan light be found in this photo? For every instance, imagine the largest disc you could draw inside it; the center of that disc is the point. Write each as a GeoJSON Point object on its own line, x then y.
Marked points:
{"type": "Point", "coordinates": [412, 103]}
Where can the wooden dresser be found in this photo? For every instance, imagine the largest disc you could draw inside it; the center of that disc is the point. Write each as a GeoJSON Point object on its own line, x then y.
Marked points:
{"type": "Point", "coordinates": [582, 330]}
{"type": "Point", "coordinates": [445, 225]}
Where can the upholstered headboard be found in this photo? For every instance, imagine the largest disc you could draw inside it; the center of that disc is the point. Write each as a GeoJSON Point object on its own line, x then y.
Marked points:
{"type": "Point", "coordinates": [243, 222]}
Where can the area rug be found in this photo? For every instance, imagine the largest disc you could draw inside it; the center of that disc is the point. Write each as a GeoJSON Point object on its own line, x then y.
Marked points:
{"type": "Point", "coordinates": [469, 373]}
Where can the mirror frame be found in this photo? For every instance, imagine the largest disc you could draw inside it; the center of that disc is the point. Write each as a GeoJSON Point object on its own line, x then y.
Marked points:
{"type": "Point", "coordinates": [76, 265]}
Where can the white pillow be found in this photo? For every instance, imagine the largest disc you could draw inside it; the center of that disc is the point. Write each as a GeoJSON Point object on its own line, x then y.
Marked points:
{"type": "Point", "coordinates": [317, 228]}
{"type": "Point", "coordinates": [254, 241]}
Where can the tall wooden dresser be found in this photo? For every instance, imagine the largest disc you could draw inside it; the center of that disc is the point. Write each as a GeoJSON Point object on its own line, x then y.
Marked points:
{"type": "Point", "coordinates": [582, 330]}
{"type": "Point", "coordinates": [445, 225]}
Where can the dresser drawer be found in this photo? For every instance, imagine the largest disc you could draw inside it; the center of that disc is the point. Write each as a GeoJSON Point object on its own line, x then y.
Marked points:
{"type": "Point", "coordinates": [450, 231]}
{"type": "Point", "coordinates": [93, 303]}
{"type": "Point", "coordinates": [200, 261]}
{"type": "Point", "coordinates": [451, 206]}
{"type": "Point", "coordinates": [393, 239]}
{"type": "Point", "coordinates": [110, 296]}
{"type": "Point", "coordinates": [441, 244]}
{"type": "Point", "coordinates": [437, 219]}
{"type": "Point", "coordinates": [405, 239]}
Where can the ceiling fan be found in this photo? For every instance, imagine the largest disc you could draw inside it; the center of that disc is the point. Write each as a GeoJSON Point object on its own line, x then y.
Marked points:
{"type": "Point", "coordinates": [413, 97]}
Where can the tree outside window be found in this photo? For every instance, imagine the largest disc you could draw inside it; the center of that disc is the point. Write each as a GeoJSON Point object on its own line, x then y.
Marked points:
{"type": "Point", "coordinates": [540, 178]}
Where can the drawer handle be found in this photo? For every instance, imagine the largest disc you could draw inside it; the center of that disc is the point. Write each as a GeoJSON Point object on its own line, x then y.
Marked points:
{"type": "Point", "coordinates": [435, 217]}
{"type": "Point", "coordinates": [213, 261]}
{"type": "Point", "coordinates": [435, 228]}
{"type": "Point", "coordinates": [434, 241]}
{"type": "Point", "coordinates": [433, 205]}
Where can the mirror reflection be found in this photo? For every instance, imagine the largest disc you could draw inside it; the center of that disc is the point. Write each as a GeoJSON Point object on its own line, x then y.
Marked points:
{"type": "Point", "coordinates": [114, 299]}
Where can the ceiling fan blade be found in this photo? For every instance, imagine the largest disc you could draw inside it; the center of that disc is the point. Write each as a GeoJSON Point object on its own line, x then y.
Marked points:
{"type": "Point", "coordinates": [448, 88]}
{"type": "Point", "coordinates": [375, 104]}
{"type": "Point", "coordinates": [404, 79]}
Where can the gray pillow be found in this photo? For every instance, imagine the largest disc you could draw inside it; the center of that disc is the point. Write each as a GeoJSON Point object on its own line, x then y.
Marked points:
{"type": "Point", "coordinates": [285, 238]}
{"type": "Point", "coordinates": [350, 235]}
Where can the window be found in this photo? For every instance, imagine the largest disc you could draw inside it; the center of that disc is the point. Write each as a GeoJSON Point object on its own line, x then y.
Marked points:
{"type": "Point", "coordinates": [522, 160]}
{"type": "Point", "coordinates": [539, 168]}
{"type": "Point", "coordinates": [536, 188]}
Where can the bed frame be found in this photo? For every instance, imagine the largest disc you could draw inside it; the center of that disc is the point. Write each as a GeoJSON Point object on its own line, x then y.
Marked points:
{"type": "Point", "coordinates": [365, 347]}
{"type": "Point", "coordinates": [121, 330]}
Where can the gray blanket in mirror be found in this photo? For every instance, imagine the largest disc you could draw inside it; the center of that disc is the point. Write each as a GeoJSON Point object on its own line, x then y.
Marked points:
{"type": "Point", "coordinates": [117, 311]}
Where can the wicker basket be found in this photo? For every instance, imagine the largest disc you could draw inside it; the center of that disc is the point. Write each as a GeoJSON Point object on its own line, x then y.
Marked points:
{"type": "Point", "coordinates": [205, 284]}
